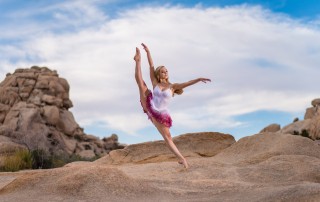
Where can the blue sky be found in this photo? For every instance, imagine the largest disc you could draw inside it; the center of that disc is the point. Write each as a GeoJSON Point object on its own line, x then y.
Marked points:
{"type": "Point", "coordinates": [307, 9]}
{"type": "Point", "coordinates": [263, 57]}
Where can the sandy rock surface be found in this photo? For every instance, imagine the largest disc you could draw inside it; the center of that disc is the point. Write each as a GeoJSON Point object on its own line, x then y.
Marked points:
{"type": "Point", "coordinates": [260, 147]}
{"type": "Point", "coordinates": [263, 167]}
{"type": "Point", "coordinates": [204, 144]}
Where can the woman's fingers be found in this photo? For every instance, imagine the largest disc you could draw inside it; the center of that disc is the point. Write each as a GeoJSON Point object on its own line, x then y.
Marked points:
{"type": "Point", "coordinates": [204, 80]}
{"type": "Point", "coordinates": [144, 46]}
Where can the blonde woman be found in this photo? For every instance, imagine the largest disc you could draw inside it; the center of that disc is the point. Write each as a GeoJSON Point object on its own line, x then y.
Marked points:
{"type": "Point", "coordinates": [155, 103]}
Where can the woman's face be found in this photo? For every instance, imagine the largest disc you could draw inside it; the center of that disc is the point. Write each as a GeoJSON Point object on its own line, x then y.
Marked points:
{"type": "Point", "coordinates": [164, 73]}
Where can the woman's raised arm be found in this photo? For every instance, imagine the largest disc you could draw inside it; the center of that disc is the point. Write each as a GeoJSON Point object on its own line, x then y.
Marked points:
{"type": "Point", "coordinates": [152, 76]}
{"type": "Point", "coordinates": [189, 83]}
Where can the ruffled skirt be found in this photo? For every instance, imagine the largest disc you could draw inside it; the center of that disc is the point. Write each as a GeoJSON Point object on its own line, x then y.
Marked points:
{"type": "Point", "coordinates": [162, 117]}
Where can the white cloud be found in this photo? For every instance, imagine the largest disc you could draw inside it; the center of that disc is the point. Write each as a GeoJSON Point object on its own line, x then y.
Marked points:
{"type": "Point", "coordinates": [257, 60]}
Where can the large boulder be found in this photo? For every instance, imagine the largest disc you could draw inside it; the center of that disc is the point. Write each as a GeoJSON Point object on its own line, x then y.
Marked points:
{"type": "Point", "coordinates": [260, 147]}
{"type": "Point", "coordinates": [314, 129]}
{"type": "Point", "coordinates": [310, 112]}
{"type": "Point", "coordinates": [204, 144]}
{"type": "Point", "coordinates": [34, 113]}
{"type": "Point", "coordinates": [9, 147]}
{"type": "Point", "coordinates": [296, 127]}
{"type": "Point", "coordinates": [271, 128]}
{"type": "Point", "coordinates": [51, 115]}
{"type": "Point", "coordinates": [315, 102]}
{"type": "Point", "coordinates": [67, 123]}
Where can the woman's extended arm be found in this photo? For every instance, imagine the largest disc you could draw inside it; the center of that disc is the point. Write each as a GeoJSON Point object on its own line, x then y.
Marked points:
{"type": "Point", "coordinates": [152, 76]}
{"type": "Point", "coordinates": [189, 83]}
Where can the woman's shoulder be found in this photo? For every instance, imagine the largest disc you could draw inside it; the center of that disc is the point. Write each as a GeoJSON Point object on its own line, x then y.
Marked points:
{"type": "Point", "coordinates": [173, 85]}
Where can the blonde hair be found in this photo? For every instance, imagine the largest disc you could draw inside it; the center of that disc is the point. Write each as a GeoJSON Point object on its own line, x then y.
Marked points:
{"type": "Point", "coordinates": [157, 75]}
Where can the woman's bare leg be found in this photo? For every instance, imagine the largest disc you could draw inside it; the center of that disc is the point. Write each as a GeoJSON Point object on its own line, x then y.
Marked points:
{"type": "Point", "coordinates": [165, 132]}
{"type": "Point", "coordinates": [138, 75]}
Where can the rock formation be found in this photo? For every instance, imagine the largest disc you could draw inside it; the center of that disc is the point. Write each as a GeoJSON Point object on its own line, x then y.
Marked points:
{"type": "Point", "coordinates": [204, 144]}
{"type": "Point", "coordinates": [271, 128]}
{"type": "Point", "coordinates": [260, 147]}
{"type": "Point", "coordinates": [312, 111]}
{"type": "Point", "coordinates": [309, 127]}
{"type": "Point", "coordinates": [34, 114]}
{"type": "Point", "coordinates": [261, 167]}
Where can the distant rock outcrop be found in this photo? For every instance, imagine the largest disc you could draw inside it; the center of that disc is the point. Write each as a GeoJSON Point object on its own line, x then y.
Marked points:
{"type": "Point", "coordinates": [205, 144]}
{"type": "Point", "coordinates": [271, 128]}
{"type": "Point", "coordinates": [309, 127]}
{"type": "Point", "coordinates": [312, 111]}
{"type": "Point", "coordinates": [34, 114]}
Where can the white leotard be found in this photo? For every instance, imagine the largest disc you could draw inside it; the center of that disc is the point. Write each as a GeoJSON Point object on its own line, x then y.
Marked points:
{"type": "Point", "coordinates": [161, 99]}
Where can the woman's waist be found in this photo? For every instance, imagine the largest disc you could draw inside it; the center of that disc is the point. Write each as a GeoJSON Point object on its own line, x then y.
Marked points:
{"type": "Point", "coordinates": [160, 107]}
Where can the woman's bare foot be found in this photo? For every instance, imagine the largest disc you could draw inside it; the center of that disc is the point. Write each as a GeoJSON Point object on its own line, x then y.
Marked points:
{"type": "Point", "coordinates": [184, 163]}
{"type": "Point", "coordinates": [137, 56]}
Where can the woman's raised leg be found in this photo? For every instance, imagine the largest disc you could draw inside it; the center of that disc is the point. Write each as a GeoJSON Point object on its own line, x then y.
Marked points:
{"type": "Point", "coordinates": [138, 75]}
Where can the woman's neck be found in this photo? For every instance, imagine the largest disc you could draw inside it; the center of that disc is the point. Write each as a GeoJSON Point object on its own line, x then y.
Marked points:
{"type": "Point", "coordinates": [163, 81]}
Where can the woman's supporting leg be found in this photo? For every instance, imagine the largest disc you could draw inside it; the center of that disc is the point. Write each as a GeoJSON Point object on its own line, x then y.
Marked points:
{"type": "Point", "coordinates": [165, 132]}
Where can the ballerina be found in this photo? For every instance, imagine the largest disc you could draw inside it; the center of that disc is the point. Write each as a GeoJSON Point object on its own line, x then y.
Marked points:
{"type": "Point", "coordinates": [155, 103]}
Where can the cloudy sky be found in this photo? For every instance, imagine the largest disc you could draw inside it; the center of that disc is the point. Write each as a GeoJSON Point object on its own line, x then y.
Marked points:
{"type": "Point", "coordinates": [263, 58]}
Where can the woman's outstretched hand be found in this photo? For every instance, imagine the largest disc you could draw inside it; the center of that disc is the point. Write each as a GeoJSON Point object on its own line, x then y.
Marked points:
{"type": "Point", "coordinates": [204, 80]}
{"type": "Point", "coordinates": [145, 47]}
{"type": "Point", "coordinates": [137, 57]}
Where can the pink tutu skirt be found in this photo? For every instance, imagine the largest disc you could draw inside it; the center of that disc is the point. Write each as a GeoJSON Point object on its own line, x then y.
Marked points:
{"type": "Point", "coordinates": [162, 117]}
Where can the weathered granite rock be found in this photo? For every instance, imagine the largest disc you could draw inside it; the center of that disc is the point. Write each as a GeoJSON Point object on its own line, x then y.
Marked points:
{"type": "Point", "coordinates": [314, 110]}
{"type": "Point", "coordinates": [87, 154]}
{"type": "Point", "coordinates": [310, 126]}
{"type": "Point", "coordinates": [264, 167]}
{"type": "Point", "coordinates": [296, 127]}
{"type": "Point", "coordinates": [295, 119]}
{"type": "Point", "coordinates": [51, 115]}
{"type": "Point", "coordinates": [310, 112]}
{"type": "Point", "coordinates": [34, 113]}
{"type": "Point", "coordinates": [315, 102]}
{"type": "Point", "coordinates": [274, 166]}
{"type": "Point", "coordinates": [7, 148]}
{"type": "Point", "coordinates": [260, 147]}
{"type": "Point", "coordinates": [204, 144]}
{"type": "Point", "coordinates": [314, 129]}
{"type": "Point", "coordinates": [67, 123]}
{"type": "Point", "coordinates": [271, 128]}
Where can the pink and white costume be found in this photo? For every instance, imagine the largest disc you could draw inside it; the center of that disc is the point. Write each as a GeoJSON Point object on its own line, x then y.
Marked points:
{"type": "Point", "coordinates": [156, 105]}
